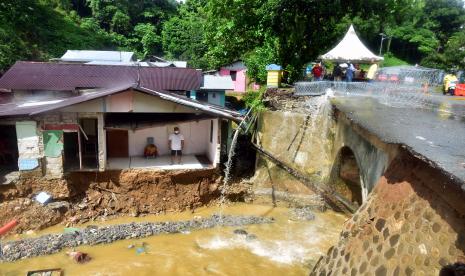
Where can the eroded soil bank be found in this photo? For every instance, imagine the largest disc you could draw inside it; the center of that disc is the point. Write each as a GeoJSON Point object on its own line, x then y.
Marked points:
{"type": "Point", "coordinates": [86, 196]}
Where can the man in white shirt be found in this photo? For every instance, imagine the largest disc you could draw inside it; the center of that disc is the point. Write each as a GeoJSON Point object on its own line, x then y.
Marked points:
{"type": "Point", "coordinates": [176, 143]}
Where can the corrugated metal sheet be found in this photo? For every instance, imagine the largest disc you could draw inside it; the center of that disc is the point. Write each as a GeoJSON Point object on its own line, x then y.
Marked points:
{"type": "Point", "coordinates": [217, 83]}
{"type": "Point", "coordinates": [59, 76]}
{"type": "Point", "coordinates": [92, 55]}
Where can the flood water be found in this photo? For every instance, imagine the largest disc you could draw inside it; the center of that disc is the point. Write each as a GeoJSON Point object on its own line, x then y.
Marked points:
{"type": "Point", "coordinates": [286, 247]}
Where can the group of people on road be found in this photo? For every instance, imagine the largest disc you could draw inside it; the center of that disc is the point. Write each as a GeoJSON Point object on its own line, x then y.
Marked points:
{"type": "Point", "coordinates": [344, 72]}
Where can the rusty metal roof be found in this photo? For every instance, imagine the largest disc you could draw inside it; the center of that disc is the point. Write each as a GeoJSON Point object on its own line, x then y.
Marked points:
{"type": "Point", "coordinates": [65, 76]}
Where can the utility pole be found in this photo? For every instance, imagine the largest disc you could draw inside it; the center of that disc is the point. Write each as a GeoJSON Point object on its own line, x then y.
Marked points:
{"type": "Point", "coordinates": [383, 37]}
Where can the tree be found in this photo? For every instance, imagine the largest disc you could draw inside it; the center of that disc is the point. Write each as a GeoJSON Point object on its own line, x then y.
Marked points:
{"type": "Point", "coordinates": [183, 36]}
{"type": "Point", "coordinates": [148, 38]}
{"type": "Point", "coordinates": [120, 22]}
{"type": "Point", "coordinates": [33, 30]}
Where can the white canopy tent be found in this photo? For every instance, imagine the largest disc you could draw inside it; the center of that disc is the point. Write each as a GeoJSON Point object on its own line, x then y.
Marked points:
{"type": "Point", "coordinates": [351, 49]}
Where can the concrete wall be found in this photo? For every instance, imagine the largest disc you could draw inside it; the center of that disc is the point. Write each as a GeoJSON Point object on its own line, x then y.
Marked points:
{"type": "Point", "coordinates": [310, 144]}
{"type": "Point", "coordinates": [129, 102]}
{"type": "Point", "coordinates": [54, 165]}
{"type": "Point", "coordinates": [196, 135]}
{"type": "Point", "coordinates": [297, 140]}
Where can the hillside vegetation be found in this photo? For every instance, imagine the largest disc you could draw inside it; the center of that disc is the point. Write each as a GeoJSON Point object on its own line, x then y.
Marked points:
{"type": "Point", "coordinates": [210, 33]}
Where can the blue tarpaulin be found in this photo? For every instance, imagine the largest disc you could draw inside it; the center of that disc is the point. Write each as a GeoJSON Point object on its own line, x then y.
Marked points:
{"type": "Point", "coordinates": [27, 164]}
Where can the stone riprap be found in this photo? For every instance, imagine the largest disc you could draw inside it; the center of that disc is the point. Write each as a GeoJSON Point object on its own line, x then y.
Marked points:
{"type": "Point", "coordinates": [53, 243]}
{"type": "Point", "coordinates": [404, 228]}
{"type": "Point", "coordinates": [303, 213]}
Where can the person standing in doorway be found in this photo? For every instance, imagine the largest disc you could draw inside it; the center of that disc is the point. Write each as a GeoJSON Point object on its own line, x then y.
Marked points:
{"type": "Point", "coordinates": [176, 143]}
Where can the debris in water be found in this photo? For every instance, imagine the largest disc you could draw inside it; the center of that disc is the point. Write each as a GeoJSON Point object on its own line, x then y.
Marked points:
{"type": "Point", "coordinates": [303, 213]}
{"type": "Point", "coordinates": [79, 257]}
{"type": "Point", "coordinates": [140, 250]}
{"type": "Point", "coordinates": [251, 237]}
{"type": "Point", "coordinates": [46, 272]}
{"type": "Point", "coordinates": [240, 232]}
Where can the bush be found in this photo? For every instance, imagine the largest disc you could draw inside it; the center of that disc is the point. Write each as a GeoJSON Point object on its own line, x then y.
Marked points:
{"type": "Point", "coordinates": [253, 99]}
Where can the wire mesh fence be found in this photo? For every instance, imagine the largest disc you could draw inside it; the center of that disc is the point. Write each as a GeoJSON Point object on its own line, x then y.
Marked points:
{"type": "Point", "coordinates": [394, 86]}
{"type": "Point", "coordinates": [405, 78]}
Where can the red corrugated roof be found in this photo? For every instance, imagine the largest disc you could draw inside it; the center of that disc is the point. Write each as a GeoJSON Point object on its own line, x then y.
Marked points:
{"type": "Point", "coordinates": [63, 76]}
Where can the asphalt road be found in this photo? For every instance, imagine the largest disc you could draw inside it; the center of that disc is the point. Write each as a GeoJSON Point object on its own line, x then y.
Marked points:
{"type": "Point", "coordinates": [433, 128]}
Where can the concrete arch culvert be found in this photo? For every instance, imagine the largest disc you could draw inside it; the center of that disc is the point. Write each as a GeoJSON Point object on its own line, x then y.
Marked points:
{"type": "Point", "coordinates": [345, 177]}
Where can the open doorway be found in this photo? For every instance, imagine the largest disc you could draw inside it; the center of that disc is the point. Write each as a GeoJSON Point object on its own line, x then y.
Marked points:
{"type": "Point", "coordinates": [89, 143]}
{"type": "Point", "coordinates": [71, 151]}
{"type": "Point", "coordinates": [8, 150]}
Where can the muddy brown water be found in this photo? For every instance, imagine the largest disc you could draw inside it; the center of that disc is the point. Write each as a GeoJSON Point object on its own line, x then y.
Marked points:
{"type": "Point", "coordinates": [286, 247]}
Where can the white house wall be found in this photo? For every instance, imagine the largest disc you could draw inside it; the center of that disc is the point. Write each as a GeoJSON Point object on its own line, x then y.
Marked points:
{"type": "Point", "coordinates": [28, 140]}
{"type": "Point", "coordinates": [196, 135]}
{"type": "Point", "coordinates": [129, 102]}
{"type": "Point", "coordinates": [147, 103]}
{"type": "Point", "coordinates": [97, 105]}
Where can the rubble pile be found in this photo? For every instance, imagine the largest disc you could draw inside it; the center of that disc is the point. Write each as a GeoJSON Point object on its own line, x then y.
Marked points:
{"type": "Point", "coordinates": [284, 100]}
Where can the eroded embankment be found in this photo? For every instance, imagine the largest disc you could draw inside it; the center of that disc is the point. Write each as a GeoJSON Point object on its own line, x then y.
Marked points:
{"type": "Point", "coordinates": [412, 223]}
{"type": "Point", "coordinates": [84, 196]}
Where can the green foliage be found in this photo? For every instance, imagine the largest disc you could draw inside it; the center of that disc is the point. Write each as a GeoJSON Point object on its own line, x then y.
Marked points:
{"type": "Point", "coordinates": [454, 51]}
{"type": "Point", "coordinates": [253, 99]}
{"type": "Point", "coordinates": [120, 22]}
{"type": "Point", "coordinates": [33, 30]}
{"type": "Point", "coordinates": [183, 35]}
{"type": "Point", "coordinates": [148, 41]}
{"type": "Point", "coordinates": [391, 60]}
{"type": "Point", "coordinates": [212, 33]}
{"type": "Point", "coordinates": [257, 60]}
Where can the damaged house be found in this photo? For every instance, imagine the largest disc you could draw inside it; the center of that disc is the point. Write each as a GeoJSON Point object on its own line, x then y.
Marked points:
{"type": "Point", "coordinates": [62, 117]}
